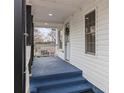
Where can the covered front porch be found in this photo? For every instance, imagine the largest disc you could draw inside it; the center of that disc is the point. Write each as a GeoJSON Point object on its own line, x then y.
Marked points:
{"type": "Point", "coordinates": [54, 75]}
{"type": "Point", "coordinates": [81, 46]}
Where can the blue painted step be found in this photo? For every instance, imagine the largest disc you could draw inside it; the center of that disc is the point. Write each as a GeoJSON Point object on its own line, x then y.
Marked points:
{"type": "Point", "coordinates": [61, 83]}
{"type": "Point", "coordinates": [54, 80]}
{"type": "Point", "coordinates": [33, 89]}
{"type": "Point", "coordinates": [57, 82]}
{"type": "Point", "coordinates": [68, 88]}
{"type": "Point", "coordinates": [56, 76]}
{"type": "Point", "coordinates": [53, 75]}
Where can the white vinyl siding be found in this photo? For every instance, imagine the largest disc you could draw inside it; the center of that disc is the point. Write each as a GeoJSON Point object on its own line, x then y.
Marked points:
{"type": "Point", "coordinates": [95, 68]}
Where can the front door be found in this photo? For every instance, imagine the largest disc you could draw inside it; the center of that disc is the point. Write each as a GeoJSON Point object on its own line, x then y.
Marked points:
{"type": "Point", "coordinates": [67, 42]}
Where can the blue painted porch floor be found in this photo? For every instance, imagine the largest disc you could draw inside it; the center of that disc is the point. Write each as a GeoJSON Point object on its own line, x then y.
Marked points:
{"type": "Point", "coordinates": [53, 75]}
{"type": "Point", "coordinates": [51, 65]}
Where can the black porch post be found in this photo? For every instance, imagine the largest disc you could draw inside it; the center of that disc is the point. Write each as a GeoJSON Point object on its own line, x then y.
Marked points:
{"type": "Point", "coordinates": [19, 46]}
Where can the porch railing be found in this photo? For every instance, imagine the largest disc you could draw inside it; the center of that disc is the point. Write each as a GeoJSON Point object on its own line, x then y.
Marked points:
{"type": "Point", "coordinates": [44, 49]}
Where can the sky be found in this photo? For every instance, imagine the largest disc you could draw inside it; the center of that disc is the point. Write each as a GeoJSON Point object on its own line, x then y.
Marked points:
{"type": "Point", "coordinates": [45, 31]}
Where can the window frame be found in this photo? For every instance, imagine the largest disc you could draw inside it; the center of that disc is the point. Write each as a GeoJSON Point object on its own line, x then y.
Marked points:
{"type": "Point", "coordinates": [90, 51]}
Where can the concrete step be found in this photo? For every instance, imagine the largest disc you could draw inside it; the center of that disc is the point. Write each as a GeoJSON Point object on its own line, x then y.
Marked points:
{"type": "Point", "coordinates": [56, 76]}
{"type": "Point", "coordinates": [57, 82]}
{"type": "Point", "coordinates": [68, 88]}
{"type": "Point", "coordinates": [33, 89]}
{"type": "Point", "coordinates": [60, 83]}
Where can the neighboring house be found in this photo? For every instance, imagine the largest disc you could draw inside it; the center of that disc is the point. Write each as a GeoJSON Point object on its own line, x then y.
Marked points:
{"type": "Point", "coordinates": [85, 44]}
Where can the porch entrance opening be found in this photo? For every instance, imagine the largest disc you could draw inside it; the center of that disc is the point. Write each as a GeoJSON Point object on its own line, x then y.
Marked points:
{"type": "Point", "coordinates": [44, 42]}
{"type": "Point", "coordinates": [67, 42]}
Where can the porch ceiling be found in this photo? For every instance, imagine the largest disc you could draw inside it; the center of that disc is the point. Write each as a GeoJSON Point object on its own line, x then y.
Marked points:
{"type": "Point", "coordinates": [61, 10]}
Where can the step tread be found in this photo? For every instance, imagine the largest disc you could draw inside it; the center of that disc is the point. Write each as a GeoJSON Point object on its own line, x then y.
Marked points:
{"type": "Point", "coordinates": [77, 87]}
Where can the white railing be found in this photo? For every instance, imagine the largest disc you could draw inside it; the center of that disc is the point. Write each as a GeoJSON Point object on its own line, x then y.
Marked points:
{"type": "Point", "coordinates": [28, 56]}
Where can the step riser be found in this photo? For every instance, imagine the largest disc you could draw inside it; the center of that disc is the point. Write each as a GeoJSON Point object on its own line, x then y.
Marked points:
{"type": "Point", "coordinates": [52, 81]}
{"type": "Point", "coordinates": [68, 88]}
{"type": "Point", "coordinates": [33, 92]}
{"type": "Point", "coordinates": [60, 84]}
{"type": "Point", "coordinates": [56, 77]}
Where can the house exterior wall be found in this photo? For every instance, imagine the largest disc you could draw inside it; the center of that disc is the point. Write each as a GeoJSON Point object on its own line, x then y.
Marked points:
{"type": "Point", "coordinates": [95, 67]}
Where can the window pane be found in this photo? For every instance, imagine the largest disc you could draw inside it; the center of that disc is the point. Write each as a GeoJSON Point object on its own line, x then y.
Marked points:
{"type": "Point", "coordinates": [90, 32]}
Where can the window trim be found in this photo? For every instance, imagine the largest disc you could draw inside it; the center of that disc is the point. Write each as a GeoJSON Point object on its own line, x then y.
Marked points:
{"type": "Point", "coordinates": [86, 51]}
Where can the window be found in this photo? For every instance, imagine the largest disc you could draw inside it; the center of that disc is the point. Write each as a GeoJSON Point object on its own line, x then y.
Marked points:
{"type": "Point", "coordinates": [60, 39]}
{"type": "Point", "coordinates": [90, 33]}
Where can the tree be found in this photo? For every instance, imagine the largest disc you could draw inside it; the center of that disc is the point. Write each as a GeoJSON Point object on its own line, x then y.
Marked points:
{"type": "Point", "coordinates": [52, 35]}
{"type": "Point", "coordinates": [38, 36]}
